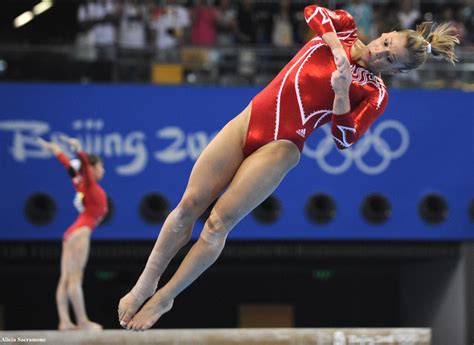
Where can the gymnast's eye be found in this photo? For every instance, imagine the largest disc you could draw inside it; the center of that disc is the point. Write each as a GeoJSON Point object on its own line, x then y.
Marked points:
{"type": "Point", "coordinates": [385, 42]}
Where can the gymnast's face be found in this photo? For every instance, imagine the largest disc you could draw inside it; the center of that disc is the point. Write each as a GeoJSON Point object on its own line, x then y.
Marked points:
{"type": "Point", "coordinates": [98, 170]}
{"type": "Point", "coordinates": [387, 54]}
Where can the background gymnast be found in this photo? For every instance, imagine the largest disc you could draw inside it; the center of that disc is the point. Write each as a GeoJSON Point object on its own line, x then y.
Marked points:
{"type": "Point", "coordinates": [333, 78]}
{"type": "Point", "coordinates": [91, 202]}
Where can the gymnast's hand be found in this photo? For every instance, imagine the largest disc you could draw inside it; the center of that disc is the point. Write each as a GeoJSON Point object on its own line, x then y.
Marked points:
{"type": "Point", "coordinates": [341, 82]}
{"type": "Point", "coordinates": [340, 58]}
{"type": "Point", "coordinates": [73, 142]}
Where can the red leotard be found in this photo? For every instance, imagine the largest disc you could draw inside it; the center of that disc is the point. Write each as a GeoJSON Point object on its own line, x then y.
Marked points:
{"type": "Point", "coordinates": [300, 98]}
{"type": "Point", "coordinates": [95, 199]}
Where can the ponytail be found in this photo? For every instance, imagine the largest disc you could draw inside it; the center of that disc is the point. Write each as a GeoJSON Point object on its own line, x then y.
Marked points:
{"type": "Point", "coordinates": [439, 42]}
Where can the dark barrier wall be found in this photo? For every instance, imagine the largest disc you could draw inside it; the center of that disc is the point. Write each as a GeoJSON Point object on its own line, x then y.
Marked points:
{"type": "Point", "coordinates": [410, 177]}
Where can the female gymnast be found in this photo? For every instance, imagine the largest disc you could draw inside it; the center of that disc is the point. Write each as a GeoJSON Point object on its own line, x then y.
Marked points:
{"type": "Point", "coordinates": [333, 78]}
{"type": "Point", "coordinates": [91, 202]}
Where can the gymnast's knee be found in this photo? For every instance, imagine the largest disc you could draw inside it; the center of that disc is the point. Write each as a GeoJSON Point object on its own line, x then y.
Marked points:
{"type": "Point", "coordinates": [184, 216]}
{"type": "Point", "coordinates": [74, 280]}
{"type": "Point", "coordinates": [63, 279]}
{"type": "Point", "coordinates": [189, 208]}
{"type": "Point", "coordinates": [216, 229]}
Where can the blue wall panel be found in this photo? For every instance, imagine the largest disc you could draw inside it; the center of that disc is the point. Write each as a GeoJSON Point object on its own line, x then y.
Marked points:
{"type": "Point", "coordinates": [150, 136]}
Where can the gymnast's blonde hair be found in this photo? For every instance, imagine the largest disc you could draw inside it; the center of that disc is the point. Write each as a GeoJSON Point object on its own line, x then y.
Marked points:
{"type": "Point", "coordinates": [439, 41]}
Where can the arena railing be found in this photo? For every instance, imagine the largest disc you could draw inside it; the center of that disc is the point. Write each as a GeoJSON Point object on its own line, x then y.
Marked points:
{"type": "Point", "coordinates": [224, 65]}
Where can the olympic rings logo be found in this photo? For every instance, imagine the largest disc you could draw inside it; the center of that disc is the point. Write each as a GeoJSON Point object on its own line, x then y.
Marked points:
{"type": "Point", "coordinates": [355, 154]}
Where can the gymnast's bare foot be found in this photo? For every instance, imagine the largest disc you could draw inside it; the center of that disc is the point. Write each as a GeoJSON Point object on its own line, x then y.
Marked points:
{"type": "Point", "coordinates": [150, 313]}
{"type": "Point", "coordinates": [90, 326]}
{"type": "Point", "coordinates": [128, 307]}
{"type": "Point", "coordinates": [67, 326]}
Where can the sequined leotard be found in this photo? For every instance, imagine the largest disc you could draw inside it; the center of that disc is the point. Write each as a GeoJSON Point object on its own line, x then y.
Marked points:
{"type": "Point", "coordinates": [300, 98]}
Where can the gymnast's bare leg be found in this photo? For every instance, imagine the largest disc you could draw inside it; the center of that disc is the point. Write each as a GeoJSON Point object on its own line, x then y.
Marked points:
{"type": "Point", "coordinates": [62, 301]}
{"type": "Point", "coordinates": [74, 259]}
{"type": "Point", "coordinates": [210, 175]}
{"type": "Point", "coordinates": [256, 178]}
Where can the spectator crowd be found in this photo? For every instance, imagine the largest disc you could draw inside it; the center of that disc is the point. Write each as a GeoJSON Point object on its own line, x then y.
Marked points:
{"type": "Point", "coordinates": [162, 25]}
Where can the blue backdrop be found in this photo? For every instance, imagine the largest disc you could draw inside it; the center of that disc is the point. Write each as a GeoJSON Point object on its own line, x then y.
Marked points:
{"type": "Point", "coordinates": [150, 137]}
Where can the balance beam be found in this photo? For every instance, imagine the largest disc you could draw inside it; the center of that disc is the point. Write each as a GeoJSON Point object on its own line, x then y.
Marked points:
{"type": "Point", "coordinates": [236, 336]}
